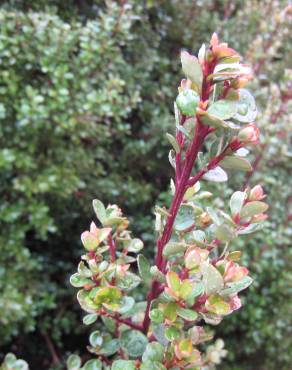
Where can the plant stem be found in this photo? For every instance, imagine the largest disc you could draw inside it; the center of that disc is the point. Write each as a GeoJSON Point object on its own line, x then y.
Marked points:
{"type": "Point", "coordinates": [51, 347]}
{"type": "Point", "coordinates": [123, 321]}
{"type": "Point", "coordinates": [183, 184]}
{"type": "Point", "coordinates": [182, 178]}
{"type": "Point", "coordinates": [181, 187]}
{"type": "Point", "coordinates": [112, 248]}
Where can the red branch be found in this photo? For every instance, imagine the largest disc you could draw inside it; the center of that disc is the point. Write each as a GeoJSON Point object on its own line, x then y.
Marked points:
{"type": "Point", "coordinates": [182, 183]}
{"type": "Point", "coordinates": [122, 321]}
{"type": "Point", "coordinates": [112, 248]}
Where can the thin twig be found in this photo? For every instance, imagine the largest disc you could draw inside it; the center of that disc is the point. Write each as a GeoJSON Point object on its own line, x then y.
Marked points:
{"type": "Point", "coordinates": [51, 347]}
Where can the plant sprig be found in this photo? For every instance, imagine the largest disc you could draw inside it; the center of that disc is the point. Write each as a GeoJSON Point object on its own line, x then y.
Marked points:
{"type": "Point", "coordinates": [196, 276]}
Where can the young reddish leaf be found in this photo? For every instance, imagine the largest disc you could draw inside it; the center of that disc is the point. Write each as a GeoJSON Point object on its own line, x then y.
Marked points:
{"type": "Point", "coordinates": [173, 281]}
{"type": "Point", "coordinates": [89, 241]}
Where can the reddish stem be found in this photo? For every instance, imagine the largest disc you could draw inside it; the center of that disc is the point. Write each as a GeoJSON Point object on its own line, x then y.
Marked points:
{"type": "Point", "coordinates": [181, 186]}
{"type": "Point", "coordinates": [123, 321]}
{"type": "Point", "coordinates": [182, 183]}
{"type": "Point", "coordinates": [112, 248]}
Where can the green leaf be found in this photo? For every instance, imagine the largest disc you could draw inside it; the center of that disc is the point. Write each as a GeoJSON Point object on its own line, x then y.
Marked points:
{"type": "Point", "coordinates": [85, 302]}
{"type": "Point", "coordinates": [90, 318]}
{"type": "Point", "coordinates": [184, 131]}
{"type": "Point", "coordinates": [83, 270]}
{"type": "Point", "coordinates": [73, 362]}
{"type": "Point", "coordinates": [173, 281]}
{"type": "Point", "coordinates": [109, 323]}
{"type": "Point", "coordinates": [109, 347]}
{"type": "Point", "coordinates": [214, 215]}
{"type": "Point", "coordinates": [236, 287]}
{"type": "Point", "coordinates": [216, 175]}
{"type": "Point", "coordinates": [10, 359]}
{"type": "Point", "coordinates": [189, 126]}
{"type": "Point", "coordinates": [251, 229]}
{"type": "Point", "coordinates": [95, 339]}
{"type": "Point", "coordinates": [217, 305]}
{"type": "Point", "coordinates": [187, 314]}
{"type": "Point", "coordinates": [176, 114]}
{"type": "Point", "coordinates": [156, 316]}
{"type": "Point", "coordinates": [208, 119]}
{"type": "Point", "coordinates": [133, 343]}
{"type": "Point", "coordinates": [212, 318]}
{"type": "Point", "coordinates": [104, 233]}
{"type": "Point", "coordinates": [20, 365]}
{"type": "Point", "coordinates": [172, 248]}
{"type": "Point", "coordinates": [200, 238]}
{"type": "Point", "coordinates": [152, 365]}
{"type": "Point", "coordinates": [187, 102]}
{"type": "Point", "coordinates": [186, 290]}
{"type": "Point", "coordinates": [192, 68]}
{"type": "Point", "coordinates": [170, 311]}
{"type": "Point", "coordinates": [92, 365]}
{"type": "Point", "coordinates": [233, 162]}
{"type": "Point", "coordinates": [159, 334]}
{"type": "Point", "coordinates": [127, 303]}
{"type": "Point", "coordinates": [173, 142]}
{"type": "Point", "coordinates": [235, 255]}
{"type": "Point", "coordinates": [99, 210]}
{"type": "Point", "coordinates": [212, 279]}
{"type": "Point", "coordinates": [202, 53]}
{"type": "Point", "coordinates": [123, 365]}
{"type": "Point", "coordinates": [184, 219]}
{"type": "Point", "coordinates": [89, 241]}
{"type": "Point", "coordinates": [228, 219]}
{"type": "Point", "coordinates": [225, 233]}
{"type": "Point", "coordinates": [197, 290]}
{"type": "Point", "coordinates": [157, 274]}
{"type": "Point", "coordinates": [192, 190]}
{"type": "Point", "coordinates": [154, 352]}
{"type": "Point", "coordinates": [246, 107]}
{"type": "Point", "coordinates": [253, 208]}
{"type": "Point", "coordinates": [223, 109]}
{"type": "Point", "coordinates": [79, 281]}
{"type": "Point", "coordinates": [237, 201]}
{"type": "Point", "coordinates": [128, 282]}
{"type": "Point", "coordinates": [144, 268]}
{"type": "Point", "coordinates": [172, 333]}
{"type": "Point", "coordinates": [135, 245]}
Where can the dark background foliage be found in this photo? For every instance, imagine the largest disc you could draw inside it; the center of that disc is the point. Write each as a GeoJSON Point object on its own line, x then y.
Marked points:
{"type": "Point", "coordinates": [86, 92]}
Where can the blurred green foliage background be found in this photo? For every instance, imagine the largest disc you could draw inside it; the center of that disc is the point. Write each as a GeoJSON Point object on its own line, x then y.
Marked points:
{"type": "Point", "coordinates": [86, 92]}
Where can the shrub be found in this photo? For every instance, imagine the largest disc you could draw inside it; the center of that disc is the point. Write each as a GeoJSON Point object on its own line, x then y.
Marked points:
{"type": "Point", "coordinates": [196, 275]}
{"type": "Point", "coordinates": [63, 110]}
{"type": "Point", "coordinates": [33, 287]}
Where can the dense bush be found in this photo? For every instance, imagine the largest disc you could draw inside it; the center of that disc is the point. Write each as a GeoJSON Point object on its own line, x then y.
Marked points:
{"type": "Point", "coordinates": [67, 92]}
{"type": "Point", "coordinates": [64, 108]}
